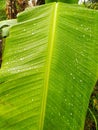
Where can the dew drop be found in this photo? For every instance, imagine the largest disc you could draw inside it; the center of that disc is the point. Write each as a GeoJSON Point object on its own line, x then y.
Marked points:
{"type": "Point", "coordinates": [51, 113]}
{"type": "Point", "coordinates": [72, 105]}
{"type": "Point", "coordinates": [80, 95]}
{"type": "Point", "coordinates": [65, 100]}
{"type": "Point", "coordinates": [74, 126]}
{"type": "Point", "coordinates": [24, 30]}
{"type": "Point", "coordinates": [80, 80]}
{"type": "Point", "coordinates": [79, 111]}
{"type": "Point", "coordinates": [69, 104]}
{"type": "Point", "coordinates": [83, 35]}
{"type": "Point", "coordinates": [21, 58]}
{"type": "Point", "coordinates": [59, 114]}
{"type": "Point", "coordinates": [73, 77]}
{"type": "Point", "coordinates": [76, 28]}
{"type": "Point", "coordinates": [13, 68]}
{"type": "Point", "coordinates": [59, 91]}
{"type": "Point", "coordinates": [70, 73]}
{"type": "Point", "coordinates": [34, 67]}
{"type": "Point", "coordinates": [76, 60]}
{"type": "Point", "coordinates": [18, 70]}
{"type": "Point", "coordinates": [90, 35]}
{"type": "Point", "coordinates": [32, 33]}
{"type": "Point", "coordinates": [71, 114]}
{"type": "Point", "coordinates": [49, 106]}
{"type": "Point", "coordinates": [72, 96]}
{"type": "Point", "coordinates": [67, 120]}
{"type": "Point", "coordinates": [24, 49]}
{"type": "Point", "coordinates": [8, 70]}
{"type": "Point", "coordinates": [87, 28]}
{"type": "Point", "coordinates": [82, 53]}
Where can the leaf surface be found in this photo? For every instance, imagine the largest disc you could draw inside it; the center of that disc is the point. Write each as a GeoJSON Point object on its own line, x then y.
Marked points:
{"type": "Point", "coordinates": [49, 68]}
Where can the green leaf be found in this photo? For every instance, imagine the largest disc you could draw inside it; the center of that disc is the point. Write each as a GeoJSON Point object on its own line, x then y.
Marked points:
{"type": "Point", "coordinates": [7, 23]}
{"type": "Point", "coordinates": [5, 26]}
{"type": "Point", "coordinates": [49, 68]}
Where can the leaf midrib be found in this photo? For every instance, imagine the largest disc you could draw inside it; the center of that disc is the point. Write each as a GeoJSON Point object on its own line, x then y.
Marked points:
{"type": "Point", "coordinates": [47, 71]}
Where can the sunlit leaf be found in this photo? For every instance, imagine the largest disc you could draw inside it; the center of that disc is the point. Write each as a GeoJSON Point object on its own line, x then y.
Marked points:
{"type": "Point", "coordinates": [49, 68]}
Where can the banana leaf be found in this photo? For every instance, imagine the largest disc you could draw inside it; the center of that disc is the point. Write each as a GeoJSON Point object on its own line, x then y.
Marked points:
{"type": "Point", "coordinates": [5, 26]}
{"type": "Point", "coordinates": [49, 68]}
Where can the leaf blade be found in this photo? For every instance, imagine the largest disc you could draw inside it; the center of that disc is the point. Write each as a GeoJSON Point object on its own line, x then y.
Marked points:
{"type": "Point", "coordinates": [22, 81]}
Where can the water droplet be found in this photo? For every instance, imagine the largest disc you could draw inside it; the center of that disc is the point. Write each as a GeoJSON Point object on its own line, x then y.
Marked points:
{"type": "Point", "coordinates": [24, 49]}
{"type": "Point", "coordinates": [8, 70]}
{"type": "Point", "coordinates": [13, 68]}
{"type": "Point", "coordinates": [73, 77]}
{"type": "Point", "coordinates": [82, 53]}
{"type": "Point", "coordinates": [80, 95]}
{"type": "Point", "coordinates": [72, 105]}
{"type": "Point", "coordinates": [18, 70]}
{"type": "Point", "coordinates": [21, 58]}
{"type": "Point", "coordinates": [72, 95]}
{"type": "Point", "coordinates": [51, 113]}
{"type": "Point", "coordinates": [69, 103]}
{"type": "Point", "coordinates": [87, 28]}
{"type": "Point", "coordinates": [89, 73]}
{"type": "Point", "coordinates": [49, 106]}
{"type": "Point", "coordinates": [34, 67]}
{"type": "Point", "coordinates": [76, 60]}
{"type": "Point", "coordinates": [32, 33]}
{"type": "Point", "coordinates": [70, 73]}
{"type": "Point", "coordinates": [90, 35]}
{"type": "Point", "coordinates": [79, 111]}
{"type": "Point", "coordinates": [32, 99]}
{"type": "Point", "coordinates": [80, 80]}
{"type": "Point", "coordinates": [67, 120]}
{"type": "Point", "coordinates": [81, 25]}
{"type": "Point", "coordinates": [55, 108]}
{"type": "Point", "coordinates": [74, 126]}
{"type": "Point", "coordinates": [83, 35]}
{"type": "Point", "coordinates": [59, 91]}
{"type": "Point", "coordinates": [59, 114]}
{"type": "Point", "coordinates": [65, 100]}
{"type": "Point", "coordinates": [71, 114]}
{"type": "Point", "coordinates": [24, 30]}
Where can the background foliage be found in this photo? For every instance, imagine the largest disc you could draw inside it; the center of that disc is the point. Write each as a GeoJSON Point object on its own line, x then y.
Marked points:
{"type": "Point", "coordinates": [2, 10]}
